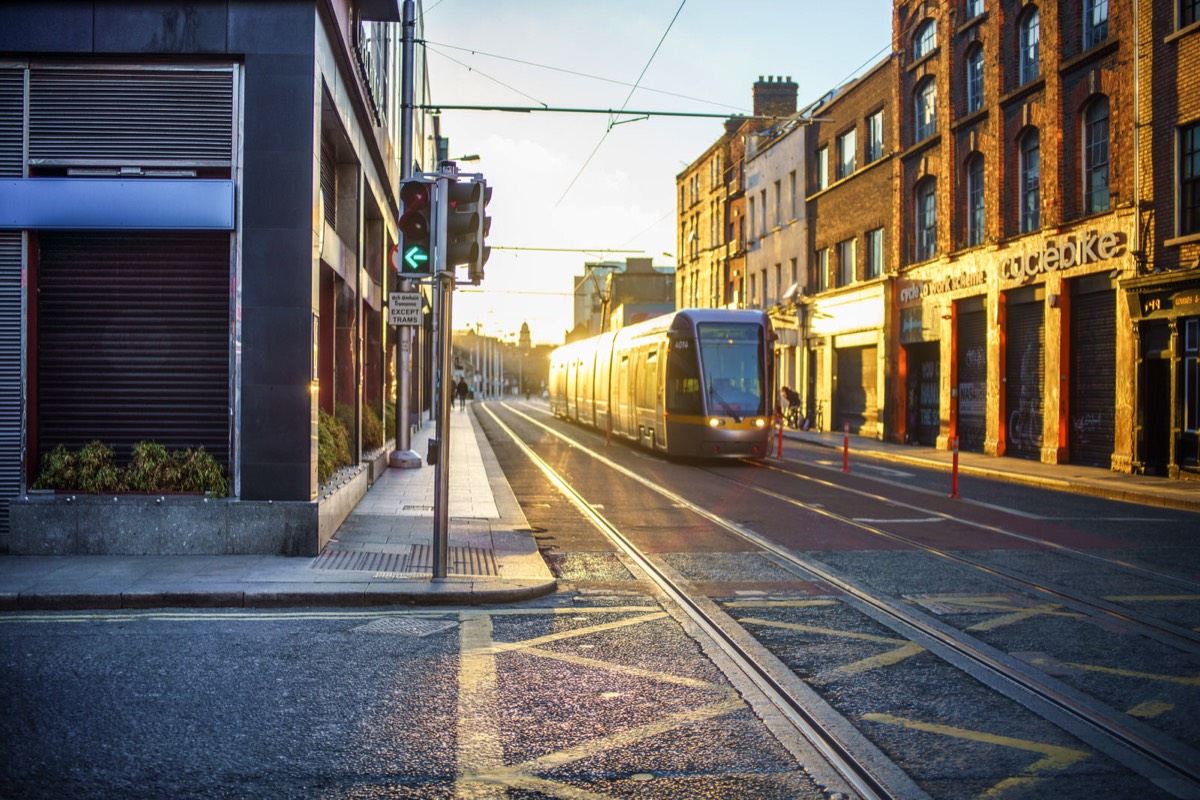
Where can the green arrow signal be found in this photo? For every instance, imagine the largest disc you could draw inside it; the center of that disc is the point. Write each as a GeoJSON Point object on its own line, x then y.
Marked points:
{"type": "Point", "coordinates": [415, 258]}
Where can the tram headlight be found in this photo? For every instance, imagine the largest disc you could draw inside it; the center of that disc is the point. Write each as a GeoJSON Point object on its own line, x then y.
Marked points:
{"type": "Point", "coordinates": [715, 422]}
{"type": "Point", "coordinates": [759, 422]}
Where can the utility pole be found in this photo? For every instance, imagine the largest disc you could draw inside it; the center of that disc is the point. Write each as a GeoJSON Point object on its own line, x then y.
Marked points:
{"type": "Point", "coordinates": [404, 456]}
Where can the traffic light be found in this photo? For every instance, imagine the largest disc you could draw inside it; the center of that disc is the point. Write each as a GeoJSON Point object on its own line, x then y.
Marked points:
{"type": "Point", "coordinates": [467, 225]}
{"type": "Point", "coordinates": [418, 221]}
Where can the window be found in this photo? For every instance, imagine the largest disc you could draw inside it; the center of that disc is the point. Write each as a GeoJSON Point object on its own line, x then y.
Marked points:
{"type": "Point", "coordinates": [1189, 12]}
{"type": "Point", "coordinates": [752, 295]}
{"type": "Point", "coordinates": [762, 218]}
{"type": "Point", "coordinates": [925, 40]}
{"type": "Point", "coordinates": [1030, 35]}
{"type": "Point", "coordinates": [975, 218]}
{"type": "Point", "coordinates": [925, 109]}
{"type": "Point", "coordinates": [1095, 22]}
{"type": "Point", "coordinates": [822, 269]}
{"type": "Point", "coordinates": [1095, 157]}
{"type": "Point", "coordinates": [926, 221]}
{"type": "Point", "coordinates": [874, 265]}
{"type": "Point", "coordinates": [1030, 176]}
{"type": "Point", "coordinates": [792, 192]}
{"type": "Point", "coordinates": [974, 79]}
{"type": "Point", "coordinates": [750, 213]}
{"type": "Point", "coordinates": [874, 144]}
{"type": "Point", "coordinates": [846, 144]}
{"type": "Point", "coordinates": [974, 8]}
{"type": "Point", "coordinates": [794, 277]}
{"type": "Point", "coordinates": [778, 203]}
{"type": "Point", "coordinates": [847, 256]}
{"type": "Point", "coordinates": [1189, 179]}
{"type": "Point", "coordinates": [1191, 375]}
{"type": "Point", "coordinates": [822, 168]}
{"type": "Point", "coordinates": [778, 283]}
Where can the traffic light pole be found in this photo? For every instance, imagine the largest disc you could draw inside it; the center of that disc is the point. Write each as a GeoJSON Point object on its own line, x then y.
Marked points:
{"type": "Point", "coordinates": [444, 389]}
{"type": "Point", "coordinates": [403, 455]}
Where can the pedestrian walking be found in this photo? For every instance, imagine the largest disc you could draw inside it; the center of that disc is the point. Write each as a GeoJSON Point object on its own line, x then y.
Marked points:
{"type": "Point", "coordinates": [461, 390]}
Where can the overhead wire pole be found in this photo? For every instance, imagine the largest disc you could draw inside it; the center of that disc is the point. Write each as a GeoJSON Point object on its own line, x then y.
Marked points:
{"type": "Point", "coordinates": [403, 455]}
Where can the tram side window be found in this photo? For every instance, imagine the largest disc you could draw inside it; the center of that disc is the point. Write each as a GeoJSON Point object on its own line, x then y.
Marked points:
{"type": "Point", "coordinates": [683, 380]}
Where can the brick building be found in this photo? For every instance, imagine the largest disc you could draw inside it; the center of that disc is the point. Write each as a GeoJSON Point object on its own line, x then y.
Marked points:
{"type": "Point", "coordinates": [846, 317]}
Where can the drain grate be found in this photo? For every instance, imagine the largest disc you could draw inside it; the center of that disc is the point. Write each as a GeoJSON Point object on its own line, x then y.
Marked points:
{"type": "Point", "coordinates": [418, 559]}
{"type": "Point", "coordinates": [406, 626]}
{"type": "Point", "coordinates": [361, 560]}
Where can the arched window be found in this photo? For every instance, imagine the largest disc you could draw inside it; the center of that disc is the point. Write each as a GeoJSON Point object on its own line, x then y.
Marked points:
{"type": "Point", "coordinates": [925, 39]}
{"type": "Point", "coordinates": [925, 239]}
{"type": "Point", "coordinates": [1031, 182]}
{"type": "Point", "coordinates": [1029, 36]}
{"type": "Point", "coordinates": [975, 217]}
{"type": "Point", "coordinates": [925, 109]}
{"type": "Point", "coordinates": [1095, 156]}
{"type": "Point", "coordinates": [974, 78]}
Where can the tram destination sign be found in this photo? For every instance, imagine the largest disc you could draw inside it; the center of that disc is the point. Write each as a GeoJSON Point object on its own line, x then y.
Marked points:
{"type": "Point", "coordinates": [404, 308]}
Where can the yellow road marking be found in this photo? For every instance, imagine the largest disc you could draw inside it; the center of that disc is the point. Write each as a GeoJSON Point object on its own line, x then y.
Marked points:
{"type": "Point", "coordinates": [218, 615]}
{"type": "Point", "coordinates": [1054, 757]}
{"type": "Point", "coordinates": [905, 650]}
{"type": "Point", "coordinates": [496, 648]}
{"type": "Point", "coordinates": [1124, 673]}
{"type": "Point", "coordinates": [870, 637]}
{"type": "Point", "coordinates": [779, 603]}
{"type": "Point", "coordinates": [636, 672]}
{"type": "Point", "coordinates": [1153, 598]}
{"type": "Point", "coordinates": [479, 747]}
{"type": "Point", "coordinates": [1150, 709]}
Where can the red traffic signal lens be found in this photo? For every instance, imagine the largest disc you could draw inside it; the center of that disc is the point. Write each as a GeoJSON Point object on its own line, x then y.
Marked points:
{"type": "Point", "coordinates": [414, 195]}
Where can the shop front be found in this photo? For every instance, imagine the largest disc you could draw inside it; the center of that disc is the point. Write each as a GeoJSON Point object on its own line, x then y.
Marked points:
{"type": "Point", "coordinates": [1165, 313]}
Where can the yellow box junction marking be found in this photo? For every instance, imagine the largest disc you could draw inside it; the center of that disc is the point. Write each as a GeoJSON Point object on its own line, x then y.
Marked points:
{"type": "Point", "coordinates": [1190, 680]}
{"type": "Point", "coordinates": [1055, 757]}
{"type": "Point", "coordinates": [1150, 709]}
{"type": "Point", "coordinates": [905, 650]}
{"type": "Point", "coordinates": [482, 774]}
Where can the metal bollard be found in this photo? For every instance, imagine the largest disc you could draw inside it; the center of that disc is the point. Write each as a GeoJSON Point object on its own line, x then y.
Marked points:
{"type": "Point", "coordinates": [954, 470]}
{"type": "Point", "coordinates": [779, 430]}
{"type": "Point", "coordinates": [846, 447]}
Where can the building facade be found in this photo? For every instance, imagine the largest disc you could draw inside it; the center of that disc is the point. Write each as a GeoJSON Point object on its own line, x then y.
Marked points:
{"type": "Point", "coordinates": [199, 203]}
{"type": "Point", "coordinates": [846, 316]}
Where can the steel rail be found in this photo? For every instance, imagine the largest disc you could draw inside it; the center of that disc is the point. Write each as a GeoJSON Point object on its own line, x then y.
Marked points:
{"type": "Point", "coordinates": [1133, 569]}
{"type": "Point", "coordinates": [866, 784]}
{"type": "Point", "coordinates": [1178, 765]}
{"type": "Point", "coordinates": [1159, 630]}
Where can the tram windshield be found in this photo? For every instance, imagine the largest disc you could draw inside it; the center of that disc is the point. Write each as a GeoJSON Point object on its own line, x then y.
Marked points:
{"type": "Point", "coordinates": [732, 369]}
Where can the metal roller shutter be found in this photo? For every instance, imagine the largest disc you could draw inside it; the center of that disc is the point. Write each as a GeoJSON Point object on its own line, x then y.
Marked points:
{"type": "Point", "coordinates": [12, 101]}
{"type": "Point", "coordinates": [133, 340]}
{"type": "Point", "coordinates": [1024, 370]}
{"type": "Point", "coordinates": [857, 404]}
{"type": "Point", "coordinates": [131, 116]}
{"type": "Point", "coordinates": [1093, 377]}
{"type": "Point", "coordinates": [971, 368]}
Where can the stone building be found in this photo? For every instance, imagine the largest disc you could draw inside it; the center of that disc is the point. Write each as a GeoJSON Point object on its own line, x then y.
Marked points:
{"type": "Point", "coordinates": [198, 203]}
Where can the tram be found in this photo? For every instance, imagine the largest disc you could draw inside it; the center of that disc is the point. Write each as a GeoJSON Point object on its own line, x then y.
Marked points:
{"type": "Point", "coordinates": [693, 383]}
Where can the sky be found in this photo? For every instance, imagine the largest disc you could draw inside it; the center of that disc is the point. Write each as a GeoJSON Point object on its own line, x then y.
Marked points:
{"type": "Point", "coordinates": [573, 181]}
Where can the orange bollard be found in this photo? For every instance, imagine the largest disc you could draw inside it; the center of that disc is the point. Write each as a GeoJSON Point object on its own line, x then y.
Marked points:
{"type": "Point", "coordinates": [846, 447]}
{"type": "Point", "coordinates": [954, 471]}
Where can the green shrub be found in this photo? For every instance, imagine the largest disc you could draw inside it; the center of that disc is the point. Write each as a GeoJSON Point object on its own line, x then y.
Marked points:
{"type": "Point", "coordinates": [372, 429]}
{"type": "Point", "coordinates": [389, 416]}
{"type": "Point", "coordinates": [333, 446]}
{"type": "Point", "coordinates": [60, 470]}
{"type": "Point", "coordinates": [98, 473]}
{"type": "Point", "coordinates": [152, 469]}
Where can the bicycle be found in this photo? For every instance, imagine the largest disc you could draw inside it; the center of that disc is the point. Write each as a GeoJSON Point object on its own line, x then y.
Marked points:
{"type": "Point", "coordinates": [792, 418]}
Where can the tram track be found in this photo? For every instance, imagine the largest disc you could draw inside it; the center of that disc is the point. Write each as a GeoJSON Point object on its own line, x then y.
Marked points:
{"type": "Point", "coordinates": [1165, 761]}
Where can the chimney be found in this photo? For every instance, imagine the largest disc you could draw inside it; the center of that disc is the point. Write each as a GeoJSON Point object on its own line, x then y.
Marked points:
{"type": "Point", "coordinates": [774, 97]}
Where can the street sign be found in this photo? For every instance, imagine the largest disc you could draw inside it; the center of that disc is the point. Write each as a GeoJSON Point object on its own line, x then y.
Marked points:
{"type": "Point", "coordinates": [404, 308]}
